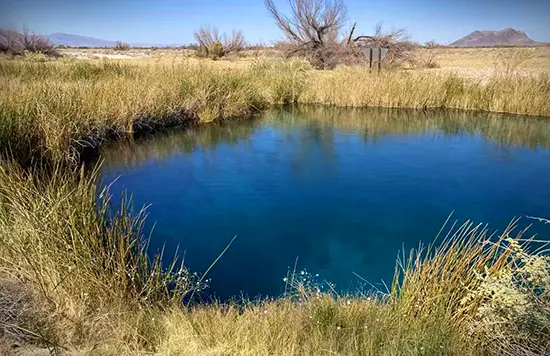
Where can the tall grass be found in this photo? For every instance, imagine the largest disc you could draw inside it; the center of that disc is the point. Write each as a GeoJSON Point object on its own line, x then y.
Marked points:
{"type": "Point", "coordinates": [58, 108]}
{"type": "Point", "coordinates": [82, 260]}
{"type": "Point", "coordinates": [351, 86]}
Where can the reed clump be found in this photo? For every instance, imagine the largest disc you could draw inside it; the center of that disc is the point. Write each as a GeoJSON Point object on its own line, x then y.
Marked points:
{"type": "Point", "coordinates": [354, 86]}
{"type": "Point", "coordinates": [84, 267]}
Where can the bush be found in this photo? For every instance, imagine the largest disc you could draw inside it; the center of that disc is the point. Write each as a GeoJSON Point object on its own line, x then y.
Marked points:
{"type": "Point", "coordinates": [514, 312]}
{"type": "Point", "coordinates": [212, 44]}
{"type": "Point", "coordinates": [15, 43]}
{"type": "Point", "coordinates": [121, 46]}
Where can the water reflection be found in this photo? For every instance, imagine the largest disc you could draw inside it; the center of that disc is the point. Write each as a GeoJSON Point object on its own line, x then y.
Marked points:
{"type": "Point", "coordinates": [343, 189]}
{"type": "Point", "coordinates": [373, 124]}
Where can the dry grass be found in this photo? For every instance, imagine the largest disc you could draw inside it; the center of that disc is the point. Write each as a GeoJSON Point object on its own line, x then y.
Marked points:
{"type": "Point", "coordinates": [417, 89]}
{"type": "Point", "coordinates": [85, 266]}
{"type": "Point", "coordinates": [58, 108]}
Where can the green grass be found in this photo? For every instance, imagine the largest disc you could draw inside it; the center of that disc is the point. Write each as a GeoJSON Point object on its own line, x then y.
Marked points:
{"type": "Point", "coordinates": [75, 276]}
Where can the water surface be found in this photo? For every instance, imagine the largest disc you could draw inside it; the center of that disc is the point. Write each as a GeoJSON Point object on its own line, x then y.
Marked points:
{"type": "Point", "coordinates": [341, 189]}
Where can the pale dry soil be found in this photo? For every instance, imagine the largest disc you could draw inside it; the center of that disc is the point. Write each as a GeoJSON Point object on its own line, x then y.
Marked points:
{"type": "Point", "coordinates": [473, 63]}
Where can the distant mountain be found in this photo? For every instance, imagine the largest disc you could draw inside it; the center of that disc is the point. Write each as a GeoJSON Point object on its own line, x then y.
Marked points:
{"type": "Point", "coordinates": [83, 41]}
{"type": "Point", "coordinates": [78, 41]}
{"type": "Point", "coordinates": [506, 37]}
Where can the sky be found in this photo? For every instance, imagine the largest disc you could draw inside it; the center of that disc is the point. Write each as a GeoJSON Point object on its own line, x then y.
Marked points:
{"type": "Point", "coordinates": [173, 21]}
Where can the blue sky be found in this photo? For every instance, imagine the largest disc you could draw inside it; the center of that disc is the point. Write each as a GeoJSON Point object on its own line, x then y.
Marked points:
{"type": "Point", "coordinates": [173, 21]}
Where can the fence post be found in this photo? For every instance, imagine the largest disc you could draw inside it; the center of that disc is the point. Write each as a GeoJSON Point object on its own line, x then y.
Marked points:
{"type": "Point", "coordinates": [379, 59]}
{"type": "Point", "coordinates": [370, 58]}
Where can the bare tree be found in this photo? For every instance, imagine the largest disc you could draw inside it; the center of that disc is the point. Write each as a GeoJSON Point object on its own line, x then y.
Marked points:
{"type": "Point", "coordinates": [10, 41]}
{"type": "Point", "coordinates": [215, 45]}
{"type": "Point", "coordinates": [16, 43]}
{"type": "Point", "coordinates": [313, 28]}
{"type": "Point", "coordinates": [38, 44]}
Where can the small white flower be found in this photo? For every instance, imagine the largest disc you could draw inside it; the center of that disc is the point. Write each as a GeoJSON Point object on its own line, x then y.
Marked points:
{"type": "Point", "coordinates": [285, 279]}
{"type": "Point", "coordinates": [338, 328]}
{"type": "Point", "coordinates": [348, 302]}
{"type": "Point", "coordinates": [302, 273]}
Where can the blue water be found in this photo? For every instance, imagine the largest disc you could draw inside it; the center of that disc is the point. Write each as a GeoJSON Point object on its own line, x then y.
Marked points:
{"type": "Point", "coordinates": [342, 190]}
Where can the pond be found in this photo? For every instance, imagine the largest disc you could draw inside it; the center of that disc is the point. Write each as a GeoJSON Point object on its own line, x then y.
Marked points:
{"type": "Point", "coordinates": [338, 192]}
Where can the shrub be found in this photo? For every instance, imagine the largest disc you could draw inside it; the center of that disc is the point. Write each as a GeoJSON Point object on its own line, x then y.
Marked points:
{"type": "Point", "coordinates": [15, 43]}
{"type": "Point", "coordinates": [121, 46]}
{"type": "Point", "coordinates": [514, 313]}
{"type": "Point", "coordinates": [214, 45]}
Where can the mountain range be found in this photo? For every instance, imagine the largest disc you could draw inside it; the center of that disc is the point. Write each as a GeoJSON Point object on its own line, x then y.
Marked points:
{"type": "Point", "coordinates": [506, 37]}
{"type": "Point", "coordinates": [84, 41]}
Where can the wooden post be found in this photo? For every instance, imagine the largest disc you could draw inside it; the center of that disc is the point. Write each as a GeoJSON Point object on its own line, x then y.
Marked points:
{"type": "Point", "coordinates": [379, 59]}
{"type": "Point", "coordinates": [370, 58]}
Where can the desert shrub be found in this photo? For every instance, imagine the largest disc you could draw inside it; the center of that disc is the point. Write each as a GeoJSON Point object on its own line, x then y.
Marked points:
{"type": "Point", "coordinates": [432, 44]}
{"type": "Point", "coordinates": [10, 42]}
{"type": "Point", "coordinates": [514, 313]}
{"type": "Point", "coordinates": [313, 30]}
{"type": "Point", "coordinates": [213, 45]}
{"type": "Point", "coordinates": [427, 58]}
{"type": "Point", "coordinates": [121, 46]}
{"type": "Point", "coordinates": [400, 49]}
{"type": "Point", "coordinates": [512, 62]}
{"type": "Point", "coordinates": [15, 43]}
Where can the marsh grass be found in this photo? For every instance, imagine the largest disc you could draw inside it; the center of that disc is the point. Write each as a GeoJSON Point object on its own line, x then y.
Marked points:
{"type": "Point", "coordinates": [82, 259]}
{"type": "Point", "coordinates": [352, 86]}
{"type": "Point", "coordinates": [56, 109]}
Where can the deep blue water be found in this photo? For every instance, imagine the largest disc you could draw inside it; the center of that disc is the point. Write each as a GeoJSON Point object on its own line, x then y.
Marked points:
{"type": "Point", "coordinates": [343, 190]}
